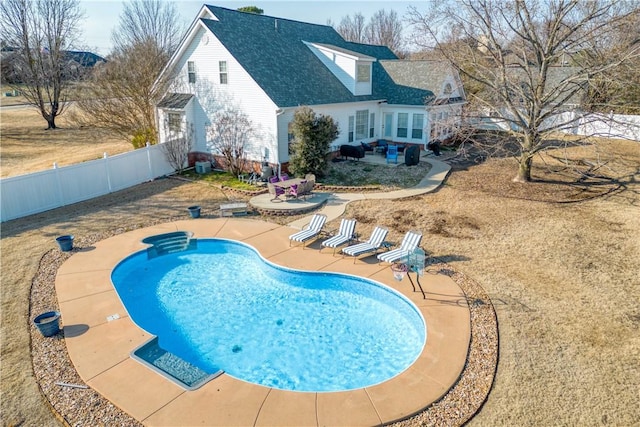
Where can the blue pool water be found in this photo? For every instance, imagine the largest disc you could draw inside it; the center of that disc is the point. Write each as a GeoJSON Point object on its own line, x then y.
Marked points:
{"type": "Point", "coordinates": [223, 307]}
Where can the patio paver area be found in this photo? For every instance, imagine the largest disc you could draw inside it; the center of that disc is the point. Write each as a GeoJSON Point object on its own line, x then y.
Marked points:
{"type": "Point", "coordinates": [100, 349]}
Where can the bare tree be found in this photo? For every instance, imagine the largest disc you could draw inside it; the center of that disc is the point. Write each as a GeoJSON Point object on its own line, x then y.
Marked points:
{"type": "Point", "coordinates": [230, 136]}
{"type": "Point", "coordinates": [123, 94]}
{"type": "Point", "coordinates": [352, 29]}
{"type": "Point", "coordinates": [42, 31]}
{"type": "Point", "coordinates": [177, 145]}
{"type": "Point", "coordinates": [514, 49]}
{"type": "Point", "coordinates": [619, 89]}
{"type": "Point", "coordinates": [385, 29]}
{"type": "Point", "coordinates": [144, 20]}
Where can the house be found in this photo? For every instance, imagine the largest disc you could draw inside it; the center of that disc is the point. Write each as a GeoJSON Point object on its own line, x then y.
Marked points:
{"type": "Point", "coordinates": [78, 63]}
{"type": "Point", "coordinates": [267, 67]}
{"type": "Point", "coordinates": [509, 103]}
{"type": "Point", "coordinates": [84, 59]}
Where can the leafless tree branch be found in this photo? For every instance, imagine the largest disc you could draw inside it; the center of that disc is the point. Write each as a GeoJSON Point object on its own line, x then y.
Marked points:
{"type": "Point", "coordinates": [41, 31]}
{"type": "Point", "coordinates": [527, 61]}
{"type": "Point", "coordinates": [230, 136]}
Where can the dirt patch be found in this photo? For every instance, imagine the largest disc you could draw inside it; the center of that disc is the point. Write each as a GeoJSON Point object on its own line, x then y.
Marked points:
{"type": "Point", "coordinates": [355, 173]}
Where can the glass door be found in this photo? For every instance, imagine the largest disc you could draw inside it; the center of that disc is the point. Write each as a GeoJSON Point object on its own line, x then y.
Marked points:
{"type": "Point", "coordinates": [387, 126]}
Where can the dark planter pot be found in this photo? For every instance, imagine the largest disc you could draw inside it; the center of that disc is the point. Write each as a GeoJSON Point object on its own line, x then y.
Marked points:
{"type": "Point", "coordinates": [48, 323]}
{"type": "Point", "coordinates": [194, 211]}
{"type": "Point", "coordinates": [65, 242]}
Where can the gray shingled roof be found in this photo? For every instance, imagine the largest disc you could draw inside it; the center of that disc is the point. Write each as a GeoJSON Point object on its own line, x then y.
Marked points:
{"type": "Point", "coordinates": [427, 75]}
{"type": "Point", "coordinates": [273, 52]}
{"type": "Point", "coordinates": [175, 100]}
{"type": "Point", "coordinates": [573, 91]}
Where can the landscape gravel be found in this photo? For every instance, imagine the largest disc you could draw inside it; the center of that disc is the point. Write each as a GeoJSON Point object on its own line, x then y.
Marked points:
{"type": "Point", "coordinates": [75, 405]}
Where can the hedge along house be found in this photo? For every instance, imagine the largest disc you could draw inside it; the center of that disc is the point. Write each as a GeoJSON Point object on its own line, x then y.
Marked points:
{"type": "Point", "coordinates": [267, 67]}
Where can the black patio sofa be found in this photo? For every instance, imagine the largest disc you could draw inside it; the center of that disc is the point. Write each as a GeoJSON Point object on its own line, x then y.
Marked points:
{"type": "Point", "coordinates": [354, 151]}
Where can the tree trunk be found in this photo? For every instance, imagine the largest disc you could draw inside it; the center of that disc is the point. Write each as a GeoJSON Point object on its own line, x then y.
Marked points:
{"type": "Point", "coordinates": [524, 168]}
{"type": "Point", "coordinates": [50, 117]}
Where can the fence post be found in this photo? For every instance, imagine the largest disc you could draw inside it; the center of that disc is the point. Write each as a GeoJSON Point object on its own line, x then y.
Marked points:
{"type": "Point", "coordinates": [107, 170]}
{"type": "Point", "coordinates": [610, 122]}
{"type": "Point", "coordinates": [149, 162]}
{"type": "Point", "coordinates": [61, 201]}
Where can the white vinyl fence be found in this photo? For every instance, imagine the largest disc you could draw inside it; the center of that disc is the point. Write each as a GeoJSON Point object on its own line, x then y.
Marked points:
{"type": "Point", "coordinates": [40, 191]}
{"type": "Point", "coordinates": [607, 126]}
{"type": "Point", "coordinates": [585, 124]}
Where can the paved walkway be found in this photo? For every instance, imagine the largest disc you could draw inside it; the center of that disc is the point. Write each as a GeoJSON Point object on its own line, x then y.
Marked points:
{"type": "Point", "coordinates": [337, 202]}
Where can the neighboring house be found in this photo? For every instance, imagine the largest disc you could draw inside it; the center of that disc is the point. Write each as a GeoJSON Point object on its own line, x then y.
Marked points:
{"type": "Point", "coordinates": [78, 63]}
{"type": "Point", "coordinates": [565, 90]}
{"type": "Point", "coordinates": [84, 59]}
{"type": "Point", "coordinates": [267, 67]}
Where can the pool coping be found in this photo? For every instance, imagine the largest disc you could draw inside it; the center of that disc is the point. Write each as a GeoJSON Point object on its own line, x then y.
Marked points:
{"type": "Point", "coordinates": [100, 349]}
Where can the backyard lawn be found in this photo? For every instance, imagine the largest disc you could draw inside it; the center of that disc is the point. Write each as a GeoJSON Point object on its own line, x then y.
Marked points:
{"type": "Point", "coordinates": [559, 258]}
{"type": "Point", "coordinates": [27, 146]}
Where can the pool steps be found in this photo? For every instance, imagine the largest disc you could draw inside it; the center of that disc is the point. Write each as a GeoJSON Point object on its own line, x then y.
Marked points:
{"type": "Point", "coordinates": [171, 366]}
{"type": "Point", "coordinates": [167, 243]}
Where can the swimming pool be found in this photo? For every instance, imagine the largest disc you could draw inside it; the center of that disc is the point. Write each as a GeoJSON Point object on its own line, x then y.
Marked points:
{"type": "Point", "coordinates": [220, 306]}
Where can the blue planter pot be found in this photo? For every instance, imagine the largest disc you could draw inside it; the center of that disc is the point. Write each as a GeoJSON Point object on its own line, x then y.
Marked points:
{"type": "Point", "coordinates": [194, 211]}
{"type": "Point", "coordinates": [65, 242]}
{"type": "Point", "coordinates": [48, 323]}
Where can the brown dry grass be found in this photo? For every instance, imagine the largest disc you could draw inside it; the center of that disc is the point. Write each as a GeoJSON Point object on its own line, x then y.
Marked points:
{"type": "Point", "coordinates": [558, 258]}
{"type": "Point", "coordinates": [10, 100]}
{"type": "Point", "coordinates": [26, 146]}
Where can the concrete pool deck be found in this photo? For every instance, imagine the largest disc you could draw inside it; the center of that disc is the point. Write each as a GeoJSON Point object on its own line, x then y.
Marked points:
{"type": "Point", "coordinates": [100, 348]}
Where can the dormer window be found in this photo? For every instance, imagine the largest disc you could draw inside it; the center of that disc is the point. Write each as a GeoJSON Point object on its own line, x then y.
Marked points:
{"type": "Point", "coordinates": [364, 73]}
{"type": "Point", "coordinates": [352, 69]}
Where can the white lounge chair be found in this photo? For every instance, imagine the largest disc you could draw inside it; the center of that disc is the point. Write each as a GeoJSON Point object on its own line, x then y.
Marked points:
{"type": "Point", "coordinates": [372, 245]}
{"type": "Point", "coordinates": [345, 234]}
{"type": "Point", "coordinates": [310, 231]}
{"type": "Point", "coordinates": [409, 244]}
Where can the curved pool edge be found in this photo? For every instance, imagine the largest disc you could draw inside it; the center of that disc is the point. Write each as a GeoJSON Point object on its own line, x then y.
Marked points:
{"type": "Point", "coordinates": [101, 353]}
{"type": "Point", "coordinates": [183, 243]}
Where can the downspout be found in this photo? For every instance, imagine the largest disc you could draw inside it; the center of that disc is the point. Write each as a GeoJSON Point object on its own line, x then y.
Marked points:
{"type": "Point", "coordinates": [279, 112]}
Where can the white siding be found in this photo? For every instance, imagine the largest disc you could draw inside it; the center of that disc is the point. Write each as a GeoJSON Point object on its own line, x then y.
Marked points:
{"type": "Point", "coordinates": [340, 113]}
{"type": "Point", "coordinates": [342, 67]}
{"type": "Point", "coordinates": [456, 89]}
{"type": "Point", "coordinates": [363, 88]}
{"type": "Point", "coordinates": [443, 120]}
{"type": "Point", "coordinates": [241, 93]}
{"type": "Point", "coordinates": [410, 111]}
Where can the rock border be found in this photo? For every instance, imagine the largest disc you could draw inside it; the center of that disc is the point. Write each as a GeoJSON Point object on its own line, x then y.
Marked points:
{"type": "Point", "coordinates": [75, 403]}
